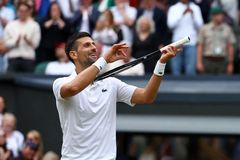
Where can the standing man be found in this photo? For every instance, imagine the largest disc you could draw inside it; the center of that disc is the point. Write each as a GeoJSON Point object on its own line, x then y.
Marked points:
{"type": "Point", "coordinates": [215, 45]}
{"type": "Point", "coordinates": [185, 18]}
{"type": "Point", "coordinates": [87, 109]}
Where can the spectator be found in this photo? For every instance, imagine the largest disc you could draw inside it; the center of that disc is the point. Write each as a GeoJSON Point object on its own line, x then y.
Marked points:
{"type": "Point", "coordinates": [230, 9]}
{"type": "Point", "coordinates": [50, 155]}
{"type": "Point", "coordinates": [22, 36]}
{"type": "Point", "coordinates": [5, 154]}
{"type": "Point", "coordinates": [125, 15]}
{"type": "Point", "coordinates": [68, 7]}
{"type": "Point", "coordinates": [215, 45]}
{"type": "Point", "coordinates": [103, 5]}
{"type": "Point", "coordinates": [63, 66]}
{"type": "Point", "coordinates": [205, 6]}
{"type": "Point", "coordinates": [2, 109]}
{"type": "Point", "coordinates": [6, 15]}
{"type": "Point", "coordinates": [14, 138]}
{"type": "Point", "coordinates": [28, 151]}
{"type": "Point", "coordinates": [149, 9]}
{"type": "Point", "coordinates": [54, 29]}
{"type": "Point", "coordinates": [184, 18]}
{"type": "Point", "coordinates": [35, 137]}
{"type": "Point", "coordinates": [145, 42]}
{"type": "Point", "coordinates": [86, 17]}
{"type": "Point", "coordinates": [106, 33]}
{"type": "Point", "coordinates": [137, 70]}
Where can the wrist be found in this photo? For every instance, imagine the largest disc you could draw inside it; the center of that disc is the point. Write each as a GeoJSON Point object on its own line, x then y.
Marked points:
{"type": "Point", "coordinates": [159, 68]}
{"type": "Point", "coordinates": [101, 63]}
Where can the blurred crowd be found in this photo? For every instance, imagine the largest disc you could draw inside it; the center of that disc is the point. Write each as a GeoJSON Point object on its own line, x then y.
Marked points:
{"type": "Point", "coordinates": [14, 145]}
{"type": "Point", "coordinates": [162, 147]}
{"type": "Point", "coordinates": [33, 33]}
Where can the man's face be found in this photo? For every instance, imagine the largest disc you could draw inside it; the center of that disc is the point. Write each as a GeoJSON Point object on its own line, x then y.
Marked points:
{"type": "Point", "coordinates": [86, 51]}
{"type": "Point", "coordinates": [218, 18]}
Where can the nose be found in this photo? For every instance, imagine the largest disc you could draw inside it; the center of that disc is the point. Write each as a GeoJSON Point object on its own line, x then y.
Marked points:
{"type": "Point", "coordinates": [94, 48]}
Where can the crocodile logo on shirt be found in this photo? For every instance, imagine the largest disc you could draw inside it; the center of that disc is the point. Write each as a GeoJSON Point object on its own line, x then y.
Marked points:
{"type": "Point", "coordinates": [104, 90]}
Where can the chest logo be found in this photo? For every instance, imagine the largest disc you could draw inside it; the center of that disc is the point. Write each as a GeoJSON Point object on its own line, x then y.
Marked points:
{"type": "Point", "coordinates": [104, 90]}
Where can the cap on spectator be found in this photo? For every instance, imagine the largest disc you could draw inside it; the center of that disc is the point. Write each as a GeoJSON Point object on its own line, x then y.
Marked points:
{"type": "Point", "coordinates": [216, 10]}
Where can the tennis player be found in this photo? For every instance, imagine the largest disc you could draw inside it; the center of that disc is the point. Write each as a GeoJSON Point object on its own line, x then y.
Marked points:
{"type": "Point", "coordinates": [87, 109]}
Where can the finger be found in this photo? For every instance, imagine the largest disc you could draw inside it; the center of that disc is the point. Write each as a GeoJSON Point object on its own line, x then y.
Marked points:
{"type": "Point", "coordinates": [121, 52]}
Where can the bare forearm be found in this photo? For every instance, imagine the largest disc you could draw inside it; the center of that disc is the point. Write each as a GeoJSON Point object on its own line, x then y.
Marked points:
{"type": "Point", "coordinates": [152, 87]}
{"type": "Point", "coordinates": [199, 53]}
{"type": "Point", "coordinates": [82, 80]}
{"type": "Point", "coordinates": [230, 54]}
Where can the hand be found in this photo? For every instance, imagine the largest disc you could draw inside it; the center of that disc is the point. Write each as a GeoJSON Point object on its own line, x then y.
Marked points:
{"type": "Point", "coordinates": [188, 10]}
{"type": "Point", "coordinates": [60, 23]}
{"type": "Point", "coordinates": [230, 68]}
{"type": "Point", "coordinates": [168, 52]}
{"type": "Point", "coordinates": [48, 23]}
{"type": "Point", "coordinates": [116, 53]}
{"type": "Point", "coordinates": [200, 67]}
{"type": "Point", "coordinates": [29, 42]}
{"type": "Point", "coordinates": [18, 40]}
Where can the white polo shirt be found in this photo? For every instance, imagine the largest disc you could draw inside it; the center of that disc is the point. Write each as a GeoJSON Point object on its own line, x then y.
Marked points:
{"type": "Point", "coordinates": [88, 119]}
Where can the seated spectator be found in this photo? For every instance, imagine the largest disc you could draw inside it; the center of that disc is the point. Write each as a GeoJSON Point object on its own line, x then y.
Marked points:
{"type": "Point", "coordinates": [14, 138]}
{"type": "Point", "coordinates": [28, 151]}
{"type": "Point", "coordinates": [106, 33]}
{"type": "Point", "coordinates": [149, 9]}
{"type": "Point", "coordinates": [22, 37]}
{"type": "Point", "coordinates": [5, 154]}
{"type": "Point", "coordinates": [54, 29]}
{"type": "Point", "coordinates": [35, 137]}
{"type": "Point", "coordinates": [215, 46]}
{"type": "Point", "coordinates": [145, 42]}
{"type": "Point", "coordinates": [63, 66]}
{"type": "Point", "coordinates": [50, 155]}
{"type": "Point", "coordinates": [85, 18]}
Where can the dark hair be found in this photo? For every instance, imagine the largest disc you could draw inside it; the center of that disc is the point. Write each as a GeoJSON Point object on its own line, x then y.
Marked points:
{"type": "Point", "coordinates": [71, 43]}
{"type": "Point", "coordinates": [49, 10]}
{"type": "Point", "coordinates": [24, 4]}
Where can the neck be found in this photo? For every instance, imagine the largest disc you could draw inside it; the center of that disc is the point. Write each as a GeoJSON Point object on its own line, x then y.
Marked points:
{"type": "Point", "coordinates": [79, 68]}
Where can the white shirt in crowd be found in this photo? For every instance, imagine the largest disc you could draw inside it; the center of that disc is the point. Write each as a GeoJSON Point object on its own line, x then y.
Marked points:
{"type": "Point", "coordinates": [15, 142]}
{"type": "Point", "coordinates": [59, 68]}
{"type": "Point", "coordinates": [184, 25]}
{"type": "Point", "coordinates": [118, 18]}
{"type": "Point", "coordinates": [137, 70]}
{"type": "Point", "coordinates": [66, 9]}
{"type": "Point", "coordinates": [7, 14]}
{"type": "Point", "coordinates": [31, 29]}
{"type": "Point", "coordinates": [88, 119]}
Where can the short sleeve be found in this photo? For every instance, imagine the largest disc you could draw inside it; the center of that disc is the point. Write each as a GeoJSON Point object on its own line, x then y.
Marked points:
{"type": "Point", "coordinates": [57, 84]}
{"type": "Point", "coordinates": [124, 92]}
{"type": "Point", "coordinates": [231, 36]}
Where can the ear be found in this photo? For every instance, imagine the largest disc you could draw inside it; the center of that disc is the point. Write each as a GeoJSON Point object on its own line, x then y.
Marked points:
{"type": "Point", "coordinates": [73, 55]}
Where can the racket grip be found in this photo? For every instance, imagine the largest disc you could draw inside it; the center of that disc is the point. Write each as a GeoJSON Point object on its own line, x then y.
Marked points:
{"type": "Point", "coordinates": [181, 42]}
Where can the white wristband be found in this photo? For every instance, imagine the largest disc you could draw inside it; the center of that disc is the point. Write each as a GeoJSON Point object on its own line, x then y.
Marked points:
{"type": "Point", "coordinates": [100, 63]}
{"type": "Point", "coordinates": [159, 69]}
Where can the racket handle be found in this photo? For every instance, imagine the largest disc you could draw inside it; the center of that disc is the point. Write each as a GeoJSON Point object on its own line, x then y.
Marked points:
{"type": "Point", "coordinates": [181, 42]}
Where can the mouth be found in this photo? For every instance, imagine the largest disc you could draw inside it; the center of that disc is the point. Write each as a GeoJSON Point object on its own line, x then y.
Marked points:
{"type": "Point", "coordinates": [93, 56]}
